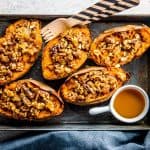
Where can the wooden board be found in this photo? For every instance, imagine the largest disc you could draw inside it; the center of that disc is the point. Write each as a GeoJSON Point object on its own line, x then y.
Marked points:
{"type": "Point", "coordinates": [76, 117]}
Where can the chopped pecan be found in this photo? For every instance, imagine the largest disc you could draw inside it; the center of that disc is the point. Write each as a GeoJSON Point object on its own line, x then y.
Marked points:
{"type": "Point", "coordinates": [28, 92]}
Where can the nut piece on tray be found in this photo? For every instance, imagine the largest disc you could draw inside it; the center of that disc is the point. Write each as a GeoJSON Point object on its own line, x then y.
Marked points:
{"type": "Point", "coordinates": [65, 54]}
{"type": "Point", "coordinates": [120, 45]}
{"type": "Point", "coordinates": [29, 100]}
{"type": "Point", "coordinates": [19, 49]}
{"type": "Point", "coordinates": [92, 85]}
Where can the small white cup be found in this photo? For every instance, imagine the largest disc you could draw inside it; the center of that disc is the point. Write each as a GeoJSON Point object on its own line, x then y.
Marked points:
{"type": "Point", "coordinates": [110, 107]}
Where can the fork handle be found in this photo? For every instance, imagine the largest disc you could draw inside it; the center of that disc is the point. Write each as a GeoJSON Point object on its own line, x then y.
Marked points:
{"type": "Point", "coordinates": [100, 10]}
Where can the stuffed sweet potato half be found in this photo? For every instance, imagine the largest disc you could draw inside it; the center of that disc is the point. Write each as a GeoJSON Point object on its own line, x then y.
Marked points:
{"type": "Point", "coordinates": [120, 45]}
{"type": "Point", "coordinates": [19, 49]}
{"type": "Point", "coordinates": [29, 100]}
{"type": "Point", "coordinates": [65, 54]}
{"type": "Point", "coordinates": [92, 85]}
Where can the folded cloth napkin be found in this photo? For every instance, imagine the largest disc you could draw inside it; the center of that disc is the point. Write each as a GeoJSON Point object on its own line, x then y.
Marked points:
{"type": "Point", "coordinates": [75, 140]}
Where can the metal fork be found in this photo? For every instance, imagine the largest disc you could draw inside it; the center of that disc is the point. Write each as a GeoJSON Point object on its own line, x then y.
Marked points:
{"type": "Point", "coordinates": [100, 10]}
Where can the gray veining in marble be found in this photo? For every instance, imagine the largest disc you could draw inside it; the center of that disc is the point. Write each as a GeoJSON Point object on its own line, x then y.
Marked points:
{"type": "Point", "coordinates": [63, 7]}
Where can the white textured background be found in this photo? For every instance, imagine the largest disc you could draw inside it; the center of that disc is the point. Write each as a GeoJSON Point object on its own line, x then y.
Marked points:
{"type": "Point", "coordinates": [63, 7]}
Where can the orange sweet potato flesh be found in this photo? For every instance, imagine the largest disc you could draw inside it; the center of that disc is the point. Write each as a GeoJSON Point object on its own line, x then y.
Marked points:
{"type": "Point", "coordinates": [19, 49]}
{"type": "Point", "coordinates": [65, 54]}
{"type": "Point", "coordinates": [120, 45]}
{"type": "Point", "coordinates": [29, 99]}
{"type": "Point", "coordinates": [93, 85]}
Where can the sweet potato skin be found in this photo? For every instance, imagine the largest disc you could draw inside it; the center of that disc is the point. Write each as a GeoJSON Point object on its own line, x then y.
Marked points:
{"type": "Point", "coordinates": [43, 115]}
{"type": "Point", "coordinates": [36, 41]}
{"type": "Point", "coordinates": [50, 74]}
{"type": "Point", "coordinates": [121, 75]}
{"type": "Point", "coordinates": [144, 32]}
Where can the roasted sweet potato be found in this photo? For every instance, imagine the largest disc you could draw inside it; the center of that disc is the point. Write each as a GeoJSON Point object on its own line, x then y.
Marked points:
{"type": "Point", "coordinates": [65, 54]}
{"type": "Point", "coordinates": [19, 49]}
{"type": "Point", "coordinates": [29, 100]}
{"type": "Point", "coordinates": [92, 85]}
{"type": "Point", "coordinates": [120, 45]}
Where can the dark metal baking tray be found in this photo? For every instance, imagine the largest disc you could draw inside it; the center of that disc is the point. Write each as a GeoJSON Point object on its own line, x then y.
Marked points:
{"type": "Point", "coordinates": [76, 117]}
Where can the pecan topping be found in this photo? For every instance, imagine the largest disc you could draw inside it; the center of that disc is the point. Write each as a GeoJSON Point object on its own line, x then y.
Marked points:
{"type": "Point", "coordinates": [120, 45]}
{"type": "Point", "coordinates": [91, 85]}
{"type": "Point", "coordinates": [26, 100]}
{"type": "Point", "coordinates": [68, 49]}
{"type": "Point", "coordinates": [19, 45]}
{"type": "Point", "coordinates": [68, 53]}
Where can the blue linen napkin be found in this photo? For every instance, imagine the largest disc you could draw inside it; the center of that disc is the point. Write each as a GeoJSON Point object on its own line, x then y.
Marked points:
{"type": "Point", "coordinates": [76, 140]}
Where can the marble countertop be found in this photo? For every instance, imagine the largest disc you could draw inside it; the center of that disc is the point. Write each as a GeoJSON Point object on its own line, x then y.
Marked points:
{"type": "Point", "coordinates": [60, 7]}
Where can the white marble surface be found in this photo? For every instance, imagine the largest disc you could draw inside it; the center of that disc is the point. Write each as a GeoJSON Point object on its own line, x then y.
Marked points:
{"type": "Point", "coordinates": [60, 7]}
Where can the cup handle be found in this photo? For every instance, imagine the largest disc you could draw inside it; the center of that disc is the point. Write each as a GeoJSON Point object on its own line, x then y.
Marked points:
{"type": "Point", "coordinates": [98, 110]}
